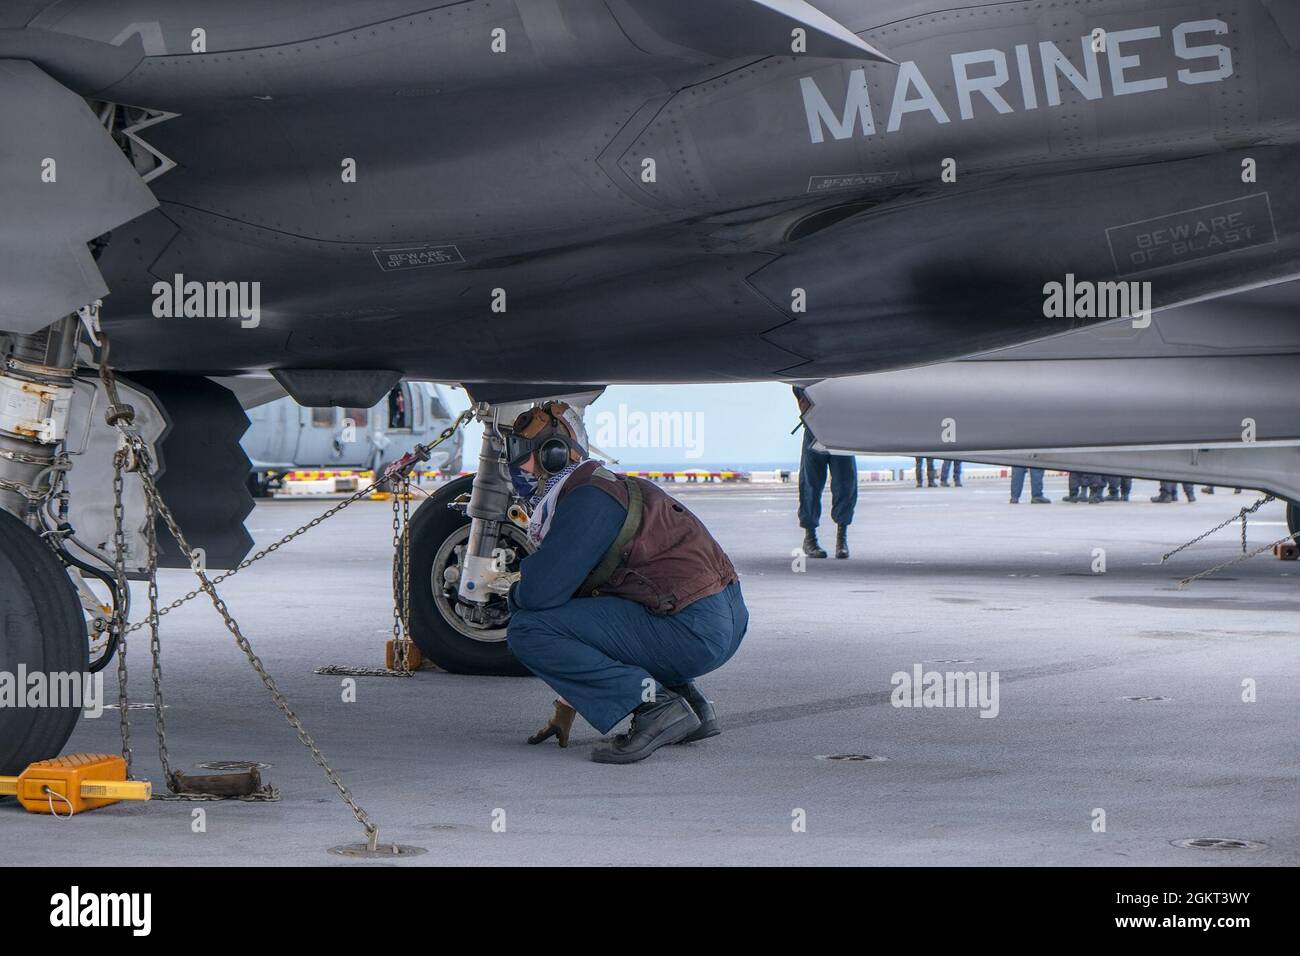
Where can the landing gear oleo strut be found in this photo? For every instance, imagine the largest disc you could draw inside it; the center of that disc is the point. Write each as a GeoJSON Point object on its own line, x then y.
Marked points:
{"type": "Point", "coordinates": [467, 540]}
{"type": "Point", "coordinates": [35, 396]}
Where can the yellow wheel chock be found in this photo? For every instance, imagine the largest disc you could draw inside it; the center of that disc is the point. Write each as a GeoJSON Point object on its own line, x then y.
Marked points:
{"type": "Point", "coordinates": [67, 785]}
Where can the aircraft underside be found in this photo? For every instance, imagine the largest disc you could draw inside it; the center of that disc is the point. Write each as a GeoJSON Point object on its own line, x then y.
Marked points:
{"type": "Point", "coordinates": [903, 285]}
{"type": "Point", "coordinates": [742, 218]}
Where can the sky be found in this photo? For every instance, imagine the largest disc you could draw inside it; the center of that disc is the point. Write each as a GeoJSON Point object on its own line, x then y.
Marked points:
{"type": "Point", "coordinates": [693, 426]}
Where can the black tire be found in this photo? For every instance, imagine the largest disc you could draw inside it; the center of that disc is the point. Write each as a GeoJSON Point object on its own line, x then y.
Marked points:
{"type": "Point", "coordinates": [42, 629]}
{"type": "Point", "coordinates": [448, 644]}
{"type": "Point", "coordinates": [1293, 517]}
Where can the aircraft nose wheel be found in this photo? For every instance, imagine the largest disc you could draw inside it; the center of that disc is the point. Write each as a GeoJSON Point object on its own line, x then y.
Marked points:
{"type": "Point", "coordinates": [458, 637]}
{"type": "Point", "coordinates": [1293, 517]}
{"type": "Point", "coordinates": [42, 631]}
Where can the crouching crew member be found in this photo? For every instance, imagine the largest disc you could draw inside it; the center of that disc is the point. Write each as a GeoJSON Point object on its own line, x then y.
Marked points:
{"type": "Point", "coordinates": [626, 600]}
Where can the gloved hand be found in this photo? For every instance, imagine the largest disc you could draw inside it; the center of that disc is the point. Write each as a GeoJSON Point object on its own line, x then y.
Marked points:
{"type": "Point", "coordinates": [502, 582]}
{"type": "Point", "coordinates": [558, 726]}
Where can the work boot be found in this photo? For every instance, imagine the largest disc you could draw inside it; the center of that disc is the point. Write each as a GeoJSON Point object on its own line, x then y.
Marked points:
{"type": "Point", "coordinates": [1162, 499]}
{"type": "Point", "coordinates": [1040, 500]}
{"type": "Point", "coordinates": [1095, 498]}
{"type": "Point", "coordinates": [1191, 495]}
{"type": "Point", "coordinates": [703, 709]}
{"type": "Point", "coordinates": [810, 545]}
{"type": "Point", "coordinates": [667, 720]}
{"type": "Point", "coordinates": [842, 541]}
{"type": "Point", "coordinates": [1015, 501]}
{"type": "Point", "coordinates": [1072, 497]}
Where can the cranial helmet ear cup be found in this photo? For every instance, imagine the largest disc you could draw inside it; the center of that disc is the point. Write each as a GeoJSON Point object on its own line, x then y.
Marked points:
{"type": "Point", "coordinates": [553, 456]}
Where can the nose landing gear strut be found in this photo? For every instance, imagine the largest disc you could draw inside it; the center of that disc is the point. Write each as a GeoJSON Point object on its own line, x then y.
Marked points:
{"type": "Point", "coordinates": [464, 546]}
{"type": "Point", "coordinates": [488, 508]}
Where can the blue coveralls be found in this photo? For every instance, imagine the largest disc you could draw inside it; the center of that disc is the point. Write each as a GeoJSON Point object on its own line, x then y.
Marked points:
{"type": "Point", "coordinates": [1018, 482]}
{"type": "Point", "coordinates": [813, 466]}
{"type": "Point", "coordinates": [1117, 485]}
{"type": "Point", "coordinates": [598, 652]}
{"type": "Point", "coordinates": [924, 469]}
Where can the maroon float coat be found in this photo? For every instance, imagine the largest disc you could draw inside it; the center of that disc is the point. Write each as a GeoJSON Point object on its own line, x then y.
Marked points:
{"type": "Point", "coordinates": [672, 561]}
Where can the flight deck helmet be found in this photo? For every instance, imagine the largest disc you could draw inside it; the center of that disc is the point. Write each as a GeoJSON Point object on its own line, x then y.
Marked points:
{"type": "Point", "coordinates": [554, 431]}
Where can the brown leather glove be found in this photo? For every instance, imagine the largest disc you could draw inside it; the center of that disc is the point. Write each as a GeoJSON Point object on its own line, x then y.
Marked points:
{"type": "Point", "coordinates": [558, 726]}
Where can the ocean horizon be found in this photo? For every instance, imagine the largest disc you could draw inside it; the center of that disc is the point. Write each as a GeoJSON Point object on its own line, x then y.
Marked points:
{"type": "Point", "coordinates": [865, 463]}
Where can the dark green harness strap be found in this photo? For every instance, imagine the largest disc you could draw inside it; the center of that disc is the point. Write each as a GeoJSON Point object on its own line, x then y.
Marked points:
{"type": "Point", "coordinates": [614, 555]}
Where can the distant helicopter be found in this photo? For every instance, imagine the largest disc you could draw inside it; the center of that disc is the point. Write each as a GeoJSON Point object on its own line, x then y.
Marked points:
{"type": "Point", "coordinates": [285, 436]}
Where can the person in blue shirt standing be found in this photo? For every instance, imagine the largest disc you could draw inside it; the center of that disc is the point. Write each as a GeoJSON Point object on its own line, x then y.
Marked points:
{"type": "Point", "coordinates": [814, 463]}
{"type": "Point", "coordinates": [925, 469]}
{"type": "Point", "coordinates": [1036, 495]}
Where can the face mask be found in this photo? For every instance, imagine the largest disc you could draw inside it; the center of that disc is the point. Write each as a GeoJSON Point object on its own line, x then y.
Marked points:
{"type": "Point", "coordinates": [525, 485]}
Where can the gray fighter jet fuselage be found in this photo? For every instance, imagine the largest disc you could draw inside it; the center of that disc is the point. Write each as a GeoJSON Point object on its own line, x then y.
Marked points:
{"type": "Point", "coordinates": [537, 198]}
{"type": "Point", "coordinates": [567, 191]}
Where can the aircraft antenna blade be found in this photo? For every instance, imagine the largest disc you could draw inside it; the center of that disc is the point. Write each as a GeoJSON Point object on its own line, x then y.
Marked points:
{"type": "Point", "coordinates": [730, 29]}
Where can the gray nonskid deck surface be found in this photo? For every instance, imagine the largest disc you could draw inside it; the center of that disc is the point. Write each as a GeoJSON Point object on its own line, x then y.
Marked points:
{"type": "Point", "coordinates": [936, 575]}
